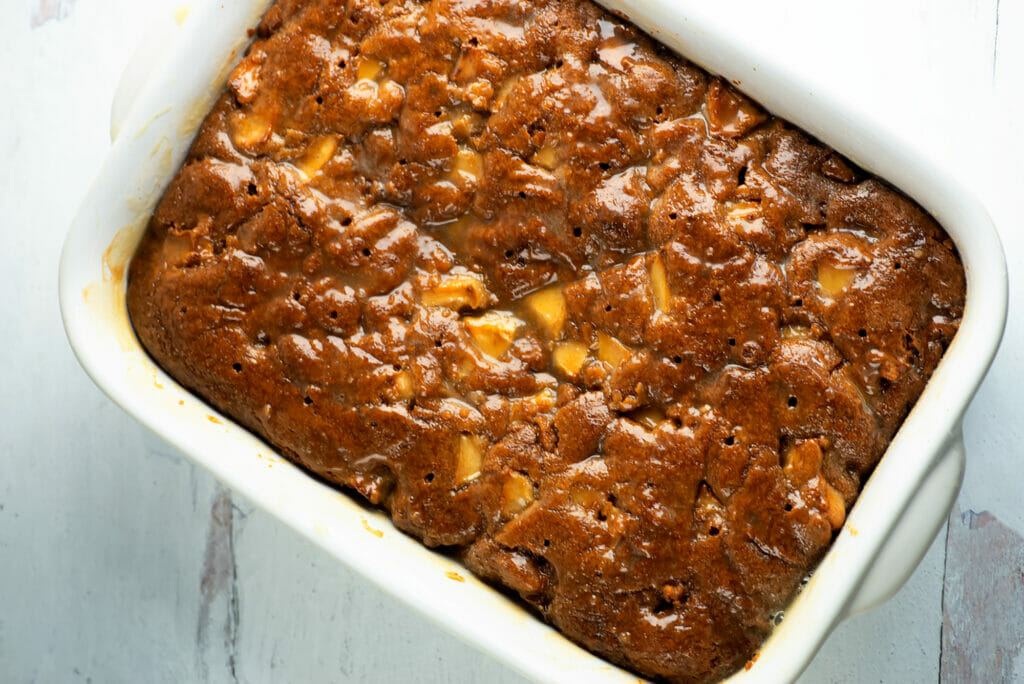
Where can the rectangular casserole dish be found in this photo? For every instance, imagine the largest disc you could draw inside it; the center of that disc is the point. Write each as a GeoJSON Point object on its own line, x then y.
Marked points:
{"type": "Point", "coordinates": [164, 97]}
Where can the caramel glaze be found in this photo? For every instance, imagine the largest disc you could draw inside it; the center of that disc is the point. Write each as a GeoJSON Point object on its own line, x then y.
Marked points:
{"type": "Point", "coordinates": [657, 448]}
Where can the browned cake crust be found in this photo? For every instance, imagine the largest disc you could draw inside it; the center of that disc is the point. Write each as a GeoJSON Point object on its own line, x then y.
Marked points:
{"type": "Point", "coordinates": [555, 298]}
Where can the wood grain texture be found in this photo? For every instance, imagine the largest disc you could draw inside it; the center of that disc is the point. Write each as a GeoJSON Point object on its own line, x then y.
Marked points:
{"type": "Point", "coordinates": [106, 534]}
{"type": "Point", "coordinates": [982, 601]}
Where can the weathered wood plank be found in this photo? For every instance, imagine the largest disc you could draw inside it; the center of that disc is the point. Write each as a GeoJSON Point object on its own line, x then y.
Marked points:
{"type": "Point", "coordinates": [983, 601]}
{"type": "Point", "coordinates": [217, 626]}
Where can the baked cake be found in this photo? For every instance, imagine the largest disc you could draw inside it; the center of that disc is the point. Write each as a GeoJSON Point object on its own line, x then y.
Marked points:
{"type": "Point", "coordinates": [560, 301]}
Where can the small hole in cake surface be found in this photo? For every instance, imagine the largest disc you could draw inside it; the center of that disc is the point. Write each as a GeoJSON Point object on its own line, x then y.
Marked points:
{"type": "Point", "coordinates": [673, 216]}
{"type": "Point", "coordinates": [319, 99]}
{"type": "Point", "coordinates": [677, 359]}
{"type": "Point", "coordinates": [789, 507]}
{"type": "Point", "coordinates": [347, 221]}
{"type": "Point", "coordinates": [547, 542]}
{"type": "Point", "coordinates": [438, 343]}
{"type": "Point", "coordinates": [791, 402]}
{"type": "Point", "coordinates": [732, 342]}
{"type": "Point", "coordinates": [308, 401]}
{"type": "Point", "coordinates": [366, 251]}
{"type": "Point", "coordinates": [608, 307]}
{"type": "Point", "coordinates": [522, 194]}
{"type": "Point", "coordinates": [577, 231]}
{"type": "Point", "coordinates": [798, 302]}
{"type": "Point", "coordinates": [605, 166]}
{"type": "Point", "coordinates": [296, 296]}
{"type": "Point", "coordinates": [429, 478]}
{"type": "Point", "coordinates": [741, 177]}
{"type": "Point", "coordinates": [509, 253]}
{"type": "Point", "coordinates": [730, 440]}
{"type": "Point", "coordinates": [717, 297]}
{"type": "Point", "coordinates": [862, 332]}
{"type": "Point", "coordinates": [237, 367]}
{"type": "Point", "coordinates": [334, 315]}
{"type": "Point", "coordinates": [713, 531]}
{"type": "Point", "coordinates": [897, 266]}
{"type": "Point", "coordinates": [252, 189]}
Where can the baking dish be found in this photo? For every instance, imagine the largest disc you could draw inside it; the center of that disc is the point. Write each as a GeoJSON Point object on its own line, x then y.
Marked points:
{"type": "Point", "coordinates": [166, 94]}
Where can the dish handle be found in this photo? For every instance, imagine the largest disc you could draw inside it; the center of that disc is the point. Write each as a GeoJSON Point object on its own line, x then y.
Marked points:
{"type": "Point", "coordinates": [915, 531]}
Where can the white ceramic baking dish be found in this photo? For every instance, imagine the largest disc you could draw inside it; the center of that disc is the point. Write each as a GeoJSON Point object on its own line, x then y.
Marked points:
{"type": "Point", "coordinates": [165, 94]}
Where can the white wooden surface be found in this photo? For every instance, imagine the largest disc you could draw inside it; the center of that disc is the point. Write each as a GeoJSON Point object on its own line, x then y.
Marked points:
{"type": "Point", "coordinates": [120, 561]}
